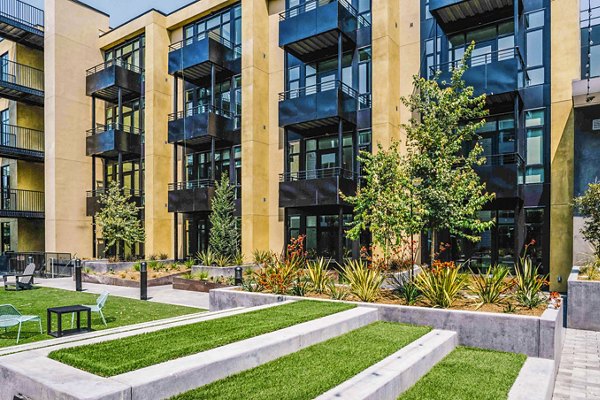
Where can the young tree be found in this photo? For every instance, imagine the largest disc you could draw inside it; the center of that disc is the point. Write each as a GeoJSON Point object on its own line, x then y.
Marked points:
{"type": "Point", "coordinates": [383, 204]}
{"type": "Point", "coordinates": [447, 117]}
{"type": "Point", "coordinates": [589, 207]}
{"type": "Point", "coordinates": [224, 232]}
{"type": "Point", "coordinates": [118, 219]}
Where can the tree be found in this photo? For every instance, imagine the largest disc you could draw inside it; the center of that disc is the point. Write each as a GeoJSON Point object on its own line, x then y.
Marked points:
{"type": "Point", "coordinates": [224, 232]}
{"type": "Point", "coordinates": [119, 219]}
{"type": "Point", "coordinates": [589, 207]}
{"type": "Point", "coordinates": [383, 202]}
{"type": "Point", "coordinates": [447, 117]}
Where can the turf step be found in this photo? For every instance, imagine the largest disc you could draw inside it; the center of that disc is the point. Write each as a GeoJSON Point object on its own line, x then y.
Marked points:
{"type": "Point", "coordinates": [177, 376]}
{"type": "Point", "coordinates": [395, 374]}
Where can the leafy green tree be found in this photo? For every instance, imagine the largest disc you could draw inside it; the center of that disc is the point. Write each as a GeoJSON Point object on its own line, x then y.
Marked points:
{"type": "Point", "coordinates": [119, 219]}
{"type": "Point", "coordinates": [225, 231]}
{"type": "Point", "coordinates": [446, 117]}
{"type": "Point", "coordinates": [589, 207]}
{"type": "Point", "coordinates": [383, 202]}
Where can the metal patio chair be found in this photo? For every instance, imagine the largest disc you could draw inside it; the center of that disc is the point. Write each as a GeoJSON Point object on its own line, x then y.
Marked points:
{"type": "Point", "coordinates": [100, 302]}
{"type": "Point", "coordinates": [10, 316]}
{"type": "Point", "coordinates": [21, 281]}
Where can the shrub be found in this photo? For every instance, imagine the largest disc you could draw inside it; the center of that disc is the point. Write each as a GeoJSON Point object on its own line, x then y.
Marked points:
{"type": "Point", "coordinates": [206, 257]}
{"type": "Point", "coordinates": [441, 284]}
{"type": "Point", "coordinates": [318, 275]}
{"type": "Point", "coordinates": [337, 292]}
{"type": "Point", "coordinates": [189, 263]}
{"type": "Point", "coordinates": [591, 269]}
{"type": "Point", "coordinates": [163, 256]}
{"type": "Point", "coordinates": [154, 265]}
{"type": "Point", "coordinates": [365, 283]}
{"type": "Point", "coordinates": [137, 266]}
{"type": "Point", "coordinates": [152, 257]}
{"type": "Point", "coordinates": [200, 275]}
{"type": "Point", "coordinates": [238, 259]}
{"type": "Point", "coordinates": [589, 207]}
{"type": "Point", "coordinates": [261, 257]}
{"type": "Point", "coordinates": [490, 287]}
{"type": "Point", "coordinates": [224, 237]}
{"type": "Point", "coordinates": [222, 260]}
{"type": "Point", "coordinates": [406, 289]}
{"type": "Point", "coordinates": [280, 276]}
{"type": "Point", "coordinates": [528, 284]}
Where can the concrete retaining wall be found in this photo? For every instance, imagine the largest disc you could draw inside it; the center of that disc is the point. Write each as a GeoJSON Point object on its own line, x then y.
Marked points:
{"type": "Point", "coordinates": [104, 266]}
{"type": "Point", "coordinates": [583, 309]}
{"type": "Point", "coordinates": [227, 272]}
{"type": "Point", "coordinates": [534, 336]}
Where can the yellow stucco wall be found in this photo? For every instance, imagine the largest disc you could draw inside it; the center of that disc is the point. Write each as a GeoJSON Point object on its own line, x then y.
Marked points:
{"type": "Point", "coordinates": [30, 235]}
{"type": "Point", "coordinates": [70, 48]}
{"type": "Point", "coordinates": [565, 67]}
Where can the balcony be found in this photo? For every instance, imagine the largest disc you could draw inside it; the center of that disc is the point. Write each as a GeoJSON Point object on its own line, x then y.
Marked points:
{"type": "Point", "coordinates": [310, 30]}
{"type": "Point", "coordinates": [21, 143]}
{"type": "Point", "coordinates": [504, 174]}
{"type": "Point", "coordinates": [201, 123]}
{"type": "Point", "coordinates": [192, 60]}
{"type": "Point", "coordinates": [107, 141]}
{"type": "Point", "coordinates": [497, 74]}
{"type": "Point", "coordinates": [22, 83]}
{"type": "Point", "coordinates": [319, 106]}
{"type": "Point", "coordinates": [22, 23]}
{"type": "Point", "coordinates": [92, 203]}
{"type": "Point", "coordinates": [452, 15]}
{"type": "Point", "coordinates": [18, 203]}
{"type": "Point", "coordinates": [320, 187]}
{"type": "Point", "coordinates": [106, 80]}
{"type": "Point", "coordinates": [196, 196]}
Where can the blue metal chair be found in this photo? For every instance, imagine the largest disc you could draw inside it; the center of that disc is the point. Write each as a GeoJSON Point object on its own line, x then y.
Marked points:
{"type": "Point", "coordinates": [10, 316]}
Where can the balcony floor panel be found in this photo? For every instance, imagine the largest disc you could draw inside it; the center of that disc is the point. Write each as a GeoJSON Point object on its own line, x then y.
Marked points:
{"type": "Point", "coordinates": [319, 46]}
{"type": "Point", "coordinates": [17, 32]}
{"type": "Point", "coordinates": [21, 154]}
{"type": "Point", "coordinates": [467, 9]}
{"type": "Point", "coordinates": [21, 214]}
{"type": "Point", "coordinates": [21, 93]}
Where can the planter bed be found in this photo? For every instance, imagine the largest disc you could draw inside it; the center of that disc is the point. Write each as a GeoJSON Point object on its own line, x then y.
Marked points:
{"type": "Point", "coordinates": [195, 285]}
{"type": "Point", "coordinates": [468, 373]}
{"type": "Point", "coordinates": [119, 356]}
{"type": "Point", "coordinates": [227, 272]}
{"type": "Point", "coordinates": [104, 266]}
{"type": "Point", "coordinates": [541, 336]}
{"type": "Point", "coordinates": [298, 376]}
{"type": "Point", "coordinates": [583, 311]}
{"type": "Point", "coordinates": [117, 281]}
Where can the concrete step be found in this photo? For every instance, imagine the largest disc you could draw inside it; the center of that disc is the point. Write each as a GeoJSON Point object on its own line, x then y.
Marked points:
{"type": "Point", "coordinates": [393, 375]}
{"type": "Point", "coordinates": [535, 381]}
{"type": "Point", "coordinates": [35, 375]}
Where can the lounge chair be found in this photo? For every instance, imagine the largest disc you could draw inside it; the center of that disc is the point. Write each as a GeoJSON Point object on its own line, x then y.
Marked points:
{"type": "Point", "coordinates": [10, 316]}
{"type": "Point", "coordinates": [22, 281]}
{"type": "Point", "coordinates": [100, 302]}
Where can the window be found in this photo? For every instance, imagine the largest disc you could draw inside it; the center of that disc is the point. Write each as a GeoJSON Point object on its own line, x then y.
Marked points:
{"type": "Point", "coordinates": [6, 136]}
{"type": "Point", "coordinates": [432, 61]}
{"type": "Point", "coordinates": [364, 77]}
{"type": "Point", "coordinates": [534, 125]}
{"type": "Point", "coordinates": [534, 48]}
{"type": "Point", "coordinates": [224, 26]}
{"type": "Point", "coordinates": [534, 220]}
{"type": "Point", "coordinates": [129, 52]}
{"type": "Point", "coordinates": [493, 42]}
{"type": "Point", "coordinates": [497, 137]}
{"type": "Point", "coordinates": [364, 12]}
{"type": "Point", "coordinates": [587, 19]}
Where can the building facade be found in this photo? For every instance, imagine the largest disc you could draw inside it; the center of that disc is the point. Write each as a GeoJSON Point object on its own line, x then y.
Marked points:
{"type": "Point", "coordinates": [280, 96]}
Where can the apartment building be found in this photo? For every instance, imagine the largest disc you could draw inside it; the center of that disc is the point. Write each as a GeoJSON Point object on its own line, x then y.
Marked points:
{"type": "Point", "coordinates": [281, 96]}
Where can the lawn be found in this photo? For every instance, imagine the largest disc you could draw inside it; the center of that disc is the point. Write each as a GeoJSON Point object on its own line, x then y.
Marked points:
{"type": "Point", "coordinates": [123, 355]}
{"type": "Point", "coordinates": [469, 373]}
{"type": "Point", "coordinates": [312, 371]}
{"type": "Point", "coordinates": [118, 311]}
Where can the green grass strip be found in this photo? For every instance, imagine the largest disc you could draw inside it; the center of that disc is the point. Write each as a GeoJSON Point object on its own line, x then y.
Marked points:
{"type": "Point", "coordinates": [314, 370]}
{"type": "Point", "coordinates": [128, 354]}
{"type": "Point", "coordinates": [469, 373]}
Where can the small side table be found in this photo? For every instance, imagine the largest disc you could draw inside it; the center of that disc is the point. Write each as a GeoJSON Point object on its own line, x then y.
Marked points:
{"type": "Point", "coordinates": [59, 311]}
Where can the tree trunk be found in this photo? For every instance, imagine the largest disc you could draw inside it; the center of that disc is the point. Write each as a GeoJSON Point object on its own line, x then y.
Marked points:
{"type": "Point", "coordinates": [432, 248]}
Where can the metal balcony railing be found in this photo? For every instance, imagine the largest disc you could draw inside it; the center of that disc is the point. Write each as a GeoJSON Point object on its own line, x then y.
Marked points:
{"type": "Point", "coordinates": [237, 49]}
{"type": "Point", "coordinates": [485, 60]}
{"type": "Point", "coordinates": [201, 109]}
{"type": "Point", "coordinates": [318, 88]}
{"type": "Point", "coordinates": [13, 73]}
{"type": "Point", "coordinates": [101, 128]}
{"type": "Point", "coordinates": [317, 174]}
{"type": "Point", "coordinates": [23, 13]}
{"type": "Point", "coordinates": [21, 200]}
{"type": "Point", "coordinates": [203, 184]}
{"type": "Point", "coordinates": [504, 159]}
{"type": "Point", "coordinates": [103, 191]}
{"type": "Point", "coordinates": [21, 138]}
{"type": "Point", "coordinates": [116, 62]}
{"type": "Point", "coordinates": [314, 4]}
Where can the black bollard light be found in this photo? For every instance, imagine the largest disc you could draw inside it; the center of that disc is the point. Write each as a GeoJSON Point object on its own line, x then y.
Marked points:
{"type": "Point", "coordinates": [78, 286]}
{"type": "Point", "coordinates": [144, 281]}
{"type": "Point", "coordinates": [238, 276]}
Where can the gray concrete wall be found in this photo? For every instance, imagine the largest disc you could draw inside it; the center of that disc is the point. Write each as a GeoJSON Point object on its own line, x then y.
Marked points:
{"type": "Point", "coordinates": [533, 336]}
{"type": "Point", "coordinates": [583, 308]}
{"type": "Point", "coordinates": [228, 272]}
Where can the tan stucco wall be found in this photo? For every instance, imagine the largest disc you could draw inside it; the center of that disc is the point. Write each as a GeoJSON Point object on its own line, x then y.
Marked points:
{"type": "Point", "coordinates": [255, 126]}
{"type": "Point", "coordinates": [30, 234]}
{"type": "Point", "coordinates": [565, 39]}
{"type": "Point", "coordinates": [30, 176]}
{"type": "Point", "coordinates": [158, 154]}
{"type": "Point", "coordinates": [70, 48]}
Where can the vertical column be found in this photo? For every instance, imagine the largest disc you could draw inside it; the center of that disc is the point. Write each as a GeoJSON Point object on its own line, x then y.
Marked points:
{"type": "Point", "coordinates": [94, 234]}
{"type": "Point", "coordinates": [175, 174]}
{"type": "Point", "coordinates": [255, 122]}
{"type": "Point", "coordinates": [120, 126]}
{"type": "Point", "coordinates": [565, 67]}
{"type": "Point", "coordinates": [158, 91]}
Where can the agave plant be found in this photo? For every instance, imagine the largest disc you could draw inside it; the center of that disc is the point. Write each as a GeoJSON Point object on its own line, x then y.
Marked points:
{"type": "Point", "coordinates": [528, 284]}
{"type": "Point", "coordinates": [441, 285]}
{"type": "Point", "coordinates": [222, 260]}
{"type": "Point", "coordinates": [405, 288]}
{"type": "Point", "coordinates": [337, 292]}
{"type": "Point", "coordinates": [262, 257]}
{"type": "Point", "coordinates": [364, 283]}
{"type": "Point", "coordinates": [318, 274]}
{"type": "Point", "coordinates": [206, 257]}
{"type": "Point", "coordinates": [238, 259]}
{"type": "Point", "coordinates": [490, 287]}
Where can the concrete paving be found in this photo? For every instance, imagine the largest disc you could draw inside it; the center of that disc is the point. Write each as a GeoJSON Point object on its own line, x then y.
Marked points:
{"type": "Point", "coordinates": [579, 371]}
{"type": "Point", "coordinates": [158, 294]}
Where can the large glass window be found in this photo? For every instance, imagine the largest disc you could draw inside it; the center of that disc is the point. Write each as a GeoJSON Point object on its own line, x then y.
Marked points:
{"type": "Point", "coordinates": [497, 137]}
{"type": "Point", "coordinates": [534, 54]}
{"type": "Point", "coordinates": [534, 125]}
{"type": "Point", "coordinates": [320, 155]}
{"type": "Point", "coordinates": [493, 42]}
{"type": "Point", "coordinates": [224, 26]}
{"type": "Point", "coordinates": [590, 36]}
{"type": "Point", "coordinates": [364, 77]}
{"type": "Point", "coordinates": [534, 220]}
{"type": "Point", "coordinates": [129, 52]}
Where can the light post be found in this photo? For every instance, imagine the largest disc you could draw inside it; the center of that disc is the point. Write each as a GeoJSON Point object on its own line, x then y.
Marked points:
{"type": "Point", "coordinates": [416, 182]}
